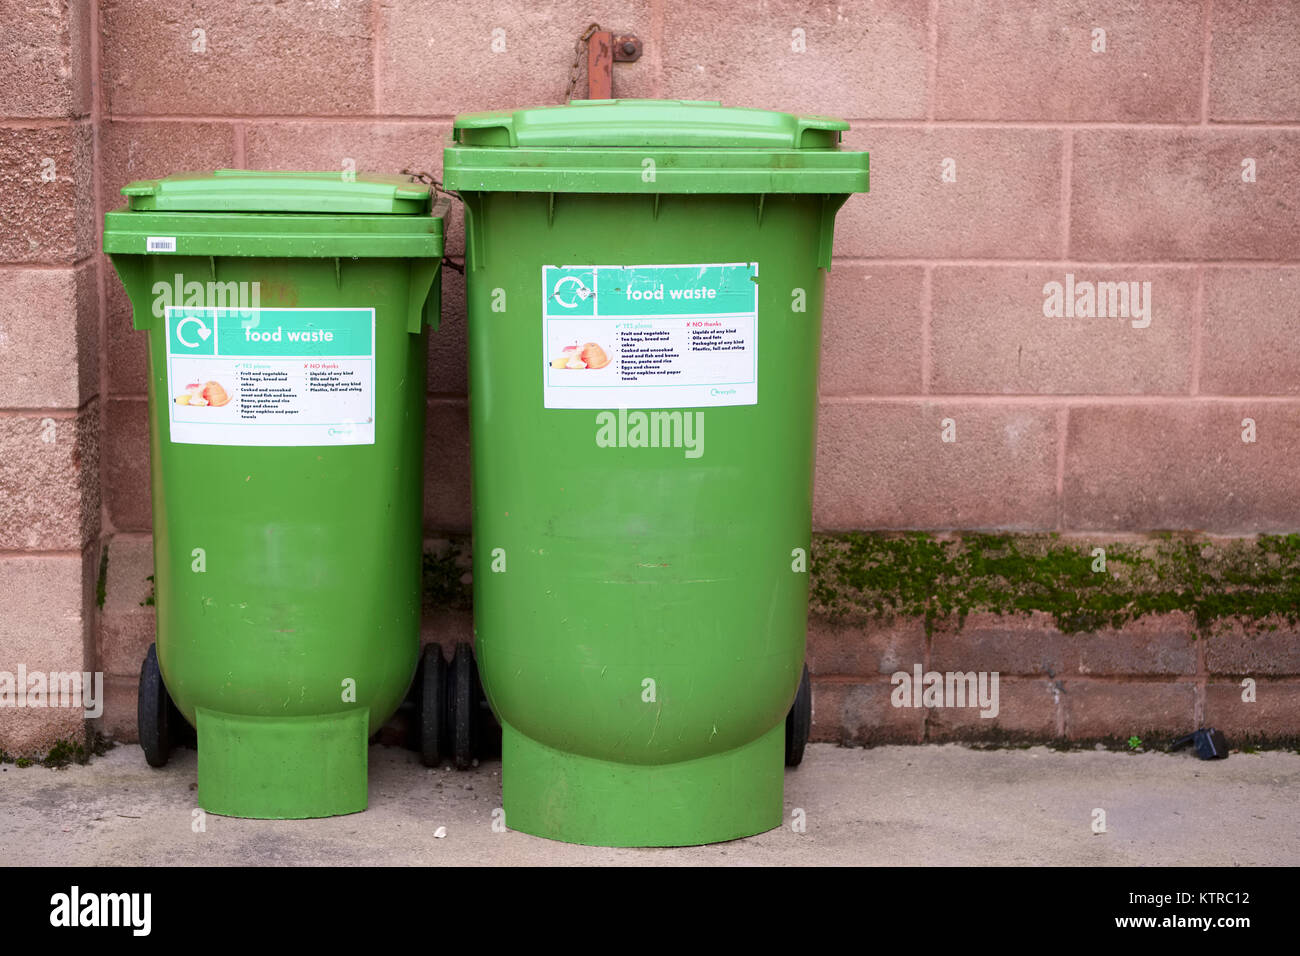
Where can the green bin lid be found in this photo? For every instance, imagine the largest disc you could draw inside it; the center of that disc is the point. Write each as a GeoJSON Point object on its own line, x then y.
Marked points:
{"type": "Point", "coordinates": [695, 146]}
{"type": "Point", "coordinates": [241, 212]}
{"type": "Point", "coordinates": [245, 190]}
{"type": "Point", "coordinates": [633, 123]}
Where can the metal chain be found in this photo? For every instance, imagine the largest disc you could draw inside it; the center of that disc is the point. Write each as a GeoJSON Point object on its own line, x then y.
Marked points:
{"type": "Point", "coordinates": [429, 180]}
{"type": "Point", "coordinates": [578, 48]}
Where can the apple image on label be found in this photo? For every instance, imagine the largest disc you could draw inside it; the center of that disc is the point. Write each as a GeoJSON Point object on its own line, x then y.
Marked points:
{"type": "Point", "coordinates": [200, 394]}
{"type": "Point", "coordinates": [589, 355]}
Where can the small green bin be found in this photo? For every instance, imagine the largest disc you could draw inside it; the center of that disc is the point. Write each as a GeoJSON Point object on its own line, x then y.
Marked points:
{"type": "Point", "coordinates": [286, 316]}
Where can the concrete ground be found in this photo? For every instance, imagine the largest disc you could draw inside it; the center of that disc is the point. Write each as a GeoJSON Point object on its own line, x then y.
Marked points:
{"type": "Point", "coordinates": [933, 805]}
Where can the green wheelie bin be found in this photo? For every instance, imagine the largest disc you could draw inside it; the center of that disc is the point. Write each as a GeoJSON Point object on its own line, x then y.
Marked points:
{"type": "Point", "coordinates": [645, 283]}
{"type": "Point", "coordinates": [287, 317]}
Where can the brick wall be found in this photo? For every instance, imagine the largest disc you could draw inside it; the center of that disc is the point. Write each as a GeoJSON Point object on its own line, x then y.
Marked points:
{"type": "Point", "coordinates": [1012, 143]}
{"type": "Point", "coordinates": [50, 388]}
{"type": "Point", "coordinates": [1122, 166]}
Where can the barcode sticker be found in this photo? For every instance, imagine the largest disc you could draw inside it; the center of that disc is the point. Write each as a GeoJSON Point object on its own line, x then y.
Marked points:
{"type": "Point", "coordinates": [160, 244]}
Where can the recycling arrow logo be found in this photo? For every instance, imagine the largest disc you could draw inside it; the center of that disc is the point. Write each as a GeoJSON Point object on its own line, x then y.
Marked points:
{"type": "Point", "coordinates": [203, 332]}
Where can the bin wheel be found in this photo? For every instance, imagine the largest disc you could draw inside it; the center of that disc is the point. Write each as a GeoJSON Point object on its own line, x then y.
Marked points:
{"type": "Point", "coordinates": [154, 712]}
{"type": "Point", "coordinates": [798, 723]}
{"type": "Point", "coordinates": [461, 686]}
{"type": "Point", "coordinates": [431, 706]}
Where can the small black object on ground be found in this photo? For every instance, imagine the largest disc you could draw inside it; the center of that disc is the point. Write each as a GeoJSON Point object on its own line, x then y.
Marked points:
{"type": "Point", "coordinates": [1210, 744]}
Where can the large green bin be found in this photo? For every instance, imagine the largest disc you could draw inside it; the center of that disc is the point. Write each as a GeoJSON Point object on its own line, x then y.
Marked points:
{"type": "Point", "coordinates": [286, 316]}
{"type": "Point", "coordinates": [645, 284]}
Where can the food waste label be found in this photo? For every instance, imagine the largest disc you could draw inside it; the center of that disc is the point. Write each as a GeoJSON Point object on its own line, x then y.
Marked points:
{"type": "Point", "coordinates": [647, 336]}
{"type": "Point", "coordinates": [271, 376]}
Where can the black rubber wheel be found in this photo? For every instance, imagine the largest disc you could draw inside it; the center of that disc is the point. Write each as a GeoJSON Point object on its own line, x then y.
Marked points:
{"type": "Point", "coordinates": [462, 685]}
{"type": "Point", "coordinates": [154, 711]}
{"type": "Point", "coordinates": [431, 707]}
{"type": "Point", "coordinates": [798, 723]}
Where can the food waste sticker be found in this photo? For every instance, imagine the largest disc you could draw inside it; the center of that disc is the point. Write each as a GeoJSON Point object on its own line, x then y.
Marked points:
{"type": "Point", "coordinates": [271, 376]}
{"type": "Point", "coordinates": [650, 336]}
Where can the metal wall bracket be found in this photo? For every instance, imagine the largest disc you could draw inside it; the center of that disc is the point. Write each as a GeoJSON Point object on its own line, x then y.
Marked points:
{"type": "Point", "coordinates": [603, 49]}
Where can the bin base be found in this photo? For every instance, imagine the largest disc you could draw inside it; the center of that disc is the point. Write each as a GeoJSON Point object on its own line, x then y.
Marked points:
{"type": "Point", "coordinates": [282, 768]}
{"type": "Point", "coordinates": [563, 796]}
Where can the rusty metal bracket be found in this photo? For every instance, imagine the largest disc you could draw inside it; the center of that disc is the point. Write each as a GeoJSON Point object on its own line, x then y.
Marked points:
{"type": "Point", "coordinates": [603, 49]}
{"type": "Point", "coordinates": [600, 66]}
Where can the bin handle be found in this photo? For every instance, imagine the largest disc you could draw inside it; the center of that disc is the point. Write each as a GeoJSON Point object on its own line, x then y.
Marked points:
{"type": "Point", "coordinates": [424, 298]}
{"type": "Point", "coordinates": [501, 122]}
{"type": "Point", "coordinates": [819, 124]}
{"type": "Point", "coordinates": [133, 270]}
{"type": "Point", "coordinates": [830, 206]}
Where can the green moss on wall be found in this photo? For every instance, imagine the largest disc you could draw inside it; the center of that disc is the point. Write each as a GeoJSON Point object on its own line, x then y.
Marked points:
{"type": "Point", "coordinates": [859, 575]}
{"type": "Point", "coordinates": [447, 582]}
{"type": "Point", "coordinates": [63, 752]}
